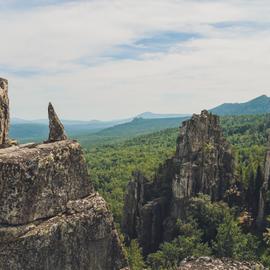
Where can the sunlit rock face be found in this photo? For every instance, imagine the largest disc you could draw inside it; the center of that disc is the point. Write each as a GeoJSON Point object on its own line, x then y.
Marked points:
{"type": "Point", "coordinates": [203, 163]}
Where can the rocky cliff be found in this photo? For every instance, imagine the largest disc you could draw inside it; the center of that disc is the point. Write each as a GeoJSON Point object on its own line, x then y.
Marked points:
{"type": "Point", "coordinates": [203, 163]}
{"type": "Point", "coordinates": [50, 215]}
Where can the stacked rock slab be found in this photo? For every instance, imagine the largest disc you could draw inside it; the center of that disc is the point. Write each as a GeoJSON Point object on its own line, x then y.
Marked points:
{"type": "Point", "coordinates": [203, 163]}
{"type": "Point", "coordinates": [50, 216]}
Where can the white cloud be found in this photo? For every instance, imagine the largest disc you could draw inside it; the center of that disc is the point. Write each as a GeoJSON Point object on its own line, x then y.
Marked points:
{"type": "Point", "coordinates": [225, 64]}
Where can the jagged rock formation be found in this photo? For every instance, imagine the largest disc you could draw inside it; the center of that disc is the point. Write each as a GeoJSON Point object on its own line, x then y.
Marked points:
{"type": "Point", "coordinates": [4, 112]}
{"type": "Point", "coordinates": [205, 159]}
{"type": "Point", "coordinates": [57, 132]}
{"type": "Point", "coordinates": [208, 263]}
{"type": "Point", "coordinates": [50, 215]}
{"type": "Point", "coordinates": [203, 164]}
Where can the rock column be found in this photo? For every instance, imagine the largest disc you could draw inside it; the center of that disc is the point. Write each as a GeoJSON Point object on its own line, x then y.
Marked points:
{"type": "Point", "coordinates": [4, 112]}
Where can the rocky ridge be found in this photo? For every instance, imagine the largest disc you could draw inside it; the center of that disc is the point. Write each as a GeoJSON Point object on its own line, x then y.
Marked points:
{"type": "Point", "coordinates": [50, 215]}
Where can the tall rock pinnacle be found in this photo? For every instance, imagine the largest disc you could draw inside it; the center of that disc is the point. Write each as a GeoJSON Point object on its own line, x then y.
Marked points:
{"type": "Point", "coordinates": [4, 112]}
{"type": "Point", "coordinates": [57, 132]}
{"type": "Point", "coordinates": [203, 163]}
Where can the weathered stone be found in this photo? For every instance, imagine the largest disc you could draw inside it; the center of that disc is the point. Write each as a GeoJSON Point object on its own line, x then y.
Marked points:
{"type": "Point", "coordinates": [4, 112]}
{"type": "Point", "coordinates": [37, 182]}
{"type": "Point", "coordinates": [82, 238]}
{"type": "Point", "coordinates": [208, 263]}
{"type": "Point", "coordinates": [57, 132]}
{"type": "Point", "coordinates": [203, 163]}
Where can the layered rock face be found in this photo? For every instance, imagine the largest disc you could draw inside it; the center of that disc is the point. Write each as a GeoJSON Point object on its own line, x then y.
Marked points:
{"type": "Point", "coordinates": [207, 263]}
{"type": "Point", "coordinates": [203, 163]}
{"type": "Point", "coordinates": [50, 215]}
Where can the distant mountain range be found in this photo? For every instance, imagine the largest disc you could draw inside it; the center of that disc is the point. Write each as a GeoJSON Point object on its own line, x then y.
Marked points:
{"type": "Point", "coordinates": [147, 122]}
{"type": "Point", "coordinates": [258, 105]}
{"type": "Point", "coordinates": [150, 115]}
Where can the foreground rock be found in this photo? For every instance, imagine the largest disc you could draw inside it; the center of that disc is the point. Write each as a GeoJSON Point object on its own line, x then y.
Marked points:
{"type": "Point", "coordinates": [50, 216]}
{"type": "Point", "coordinates": [37, 181]}
{"type": "Point", "coordinates": [203, 163]}
{"type": "Point", "coordinates": [83, 237]}
{"type": "Point", "coordinates": [207, 263]}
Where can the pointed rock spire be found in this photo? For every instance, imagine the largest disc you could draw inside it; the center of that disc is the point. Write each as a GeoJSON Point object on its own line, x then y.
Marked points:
{"type": "Point", "coordinates": [4, 113]}
{"type": "Point", "coordinates": [57, 132]}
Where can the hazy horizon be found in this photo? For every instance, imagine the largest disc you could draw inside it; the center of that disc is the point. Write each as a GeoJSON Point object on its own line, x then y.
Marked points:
{"type": "Point", "coordinates": [114, 59]}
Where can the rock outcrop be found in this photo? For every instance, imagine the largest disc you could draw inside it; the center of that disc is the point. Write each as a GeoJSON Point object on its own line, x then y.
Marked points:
{"type": "Point", "coordinates": [208, 263]}
{"type": "Point", "coordinates": [50, 215]}
{"type": "Point", "coordinates": [4, 112]}
{"type": "Point", "coordinates": [203, 163]}
{"type": "Point", "coordinates": [56, 128]}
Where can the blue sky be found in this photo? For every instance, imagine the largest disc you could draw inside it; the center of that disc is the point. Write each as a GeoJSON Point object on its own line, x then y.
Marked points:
{"type": "Point", "coordinates": [107, 59]}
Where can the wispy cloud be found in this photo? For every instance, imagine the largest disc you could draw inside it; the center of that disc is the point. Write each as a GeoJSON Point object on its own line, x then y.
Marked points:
{"type": "Point", "coordinates": [88, 56]}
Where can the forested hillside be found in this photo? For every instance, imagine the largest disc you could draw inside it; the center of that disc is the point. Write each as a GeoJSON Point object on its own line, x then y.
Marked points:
{"type": "Point", "coordinates": [258, 105]}
{"type": "Point", "coordinates": [111, 167]}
